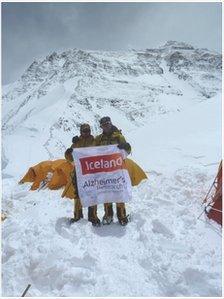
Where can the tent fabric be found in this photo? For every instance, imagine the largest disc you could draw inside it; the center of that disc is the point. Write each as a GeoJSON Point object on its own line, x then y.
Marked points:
{"type": "Point", "coordinates": [215, 206]}
{"type": "Point", "coordinates": [61, 170]}
{"type": "Point", "coordinates": [61, 174]}
{"type": "Point", "coordinates": [215, 212]}
{"type": "Point", "coordinates": [28, 177]}
{"type": "Point", "coordinates": [57, 163]}
{"type": "Point", "coordinates": [37, 174]}
{"type": "Point", "coordinates": [136, 173]}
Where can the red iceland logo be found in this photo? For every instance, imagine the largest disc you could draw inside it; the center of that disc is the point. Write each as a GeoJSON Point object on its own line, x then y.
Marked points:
{"type": "Point", "coordinates": [103, 163]}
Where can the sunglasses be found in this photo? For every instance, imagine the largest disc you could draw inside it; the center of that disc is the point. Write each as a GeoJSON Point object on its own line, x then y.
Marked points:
{"type": "Point", "coordinates": [106, 124]}
{"type": "Point", "coordinates": [85, 131]}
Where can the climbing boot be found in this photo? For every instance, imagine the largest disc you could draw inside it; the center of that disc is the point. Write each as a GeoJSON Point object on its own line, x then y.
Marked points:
{"type": "Point", "coordinates": [77, 216]}
{"type": "Point", "coordinates": [92, 216]}
{"type": "Point", "coordinates": [77, 211]}
{"type": "Point", "coordinates": [108, 216]}
{"type": "Point", "coordinates": [121, 214]}
{"type": "Point", "coordinates": [123, 221]}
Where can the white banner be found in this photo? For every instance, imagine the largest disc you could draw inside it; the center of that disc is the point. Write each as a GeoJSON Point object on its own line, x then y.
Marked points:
{"type": "Point", "coordinates": [101, 176]}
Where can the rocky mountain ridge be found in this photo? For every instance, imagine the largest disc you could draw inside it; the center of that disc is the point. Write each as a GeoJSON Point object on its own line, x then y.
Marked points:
{"type": "Point", "coordinates": [64, 90]}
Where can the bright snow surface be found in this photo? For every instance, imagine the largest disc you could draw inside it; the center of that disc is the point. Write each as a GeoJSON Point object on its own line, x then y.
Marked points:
{"type": "Point", "coordinates": [165, 250]}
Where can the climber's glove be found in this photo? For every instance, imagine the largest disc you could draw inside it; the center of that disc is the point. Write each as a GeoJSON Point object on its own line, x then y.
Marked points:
{"type": "Point", "coordinates": [124, 145]}
{"type": "Point", "coordinates": [75, 139]}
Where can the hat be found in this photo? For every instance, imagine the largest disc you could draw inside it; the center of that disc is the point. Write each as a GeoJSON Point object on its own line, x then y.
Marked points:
{"type": "Point", "coordinates": [84, 127]}
{"type": "Point", "coordinates": [105, 119]}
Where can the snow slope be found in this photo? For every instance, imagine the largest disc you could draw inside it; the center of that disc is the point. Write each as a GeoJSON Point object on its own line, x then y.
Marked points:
{"type": "Point", "coordinates": [188, 138]}
{"type": "Point", "coordinates": [165, 250]}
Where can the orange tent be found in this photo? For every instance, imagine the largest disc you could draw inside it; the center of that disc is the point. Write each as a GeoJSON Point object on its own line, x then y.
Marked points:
{"type": "Point", "coordinates": [61, 174]}
{"type": "Point", "coordinates": [37, 173]}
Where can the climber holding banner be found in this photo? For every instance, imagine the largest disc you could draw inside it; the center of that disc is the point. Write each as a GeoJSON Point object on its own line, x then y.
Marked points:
{"type": "Point", "coordinates": [110, 136]}
{"type": "Point", "coordinates": [84, 140]}
{"type": "Point", "coordinates": [101, 175]}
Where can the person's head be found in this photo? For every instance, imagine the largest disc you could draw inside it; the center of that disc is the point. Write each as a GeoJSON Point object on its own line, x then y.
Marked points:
{"type": "Point", "coordinates": [85, 130]}
{"type": "Point", "coordinates": [106, 124]}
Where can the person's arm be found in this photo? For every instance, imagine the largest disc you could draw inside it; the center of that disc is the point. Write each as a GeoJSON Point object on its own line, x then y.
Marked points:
{"type": "Point", "coordinates": [75, 141]}
{"type": "Point", "coordinates": [68, 155]}
{"type": "Point", "coordinates": [123, 144]}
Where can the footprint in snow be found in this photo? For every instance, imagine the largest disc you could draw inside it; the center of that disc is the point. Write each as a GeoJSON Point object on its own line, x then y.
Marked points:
{"type": "Point", "coordinates": [160, 228]}
{"type": "Point", "coordinates": [114, 229]}
{"type": "Point", "coordinates": [87, 262]}
{"type": "Point", "coordinates": [62, 226]}
{"type": "Point", "coordinates": [139, 220]}
{"type": "Point", "coordinates": [68, 230]}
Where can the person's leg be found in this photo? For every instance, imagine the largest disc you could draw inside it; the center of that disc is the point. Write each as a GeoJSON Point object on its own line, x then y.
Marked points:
{"type": "Point", "coordinates": [77, 203]}
{"type": "Point", "coordinates": [121, 213]}
{"type": "Point", "coordinates": [92, 216]}
{"type": "Point", "coordinates": [108, 215]}
{"type": "Point", "coordinates": [77, 210]}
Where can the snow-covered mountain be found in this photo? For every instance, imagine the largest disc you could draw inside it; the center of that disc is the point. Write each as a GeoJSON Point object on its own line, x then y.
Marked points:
{"type": "Point", "coordinates": [167, 101]}
{"type": "Point", "coordinates": [55, 95]}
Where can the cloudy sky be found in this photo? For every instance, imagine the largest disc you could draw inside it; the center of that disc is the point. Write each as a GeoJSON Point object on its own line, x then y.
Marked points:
{"type": "Point", "coordinates": [34, 30]}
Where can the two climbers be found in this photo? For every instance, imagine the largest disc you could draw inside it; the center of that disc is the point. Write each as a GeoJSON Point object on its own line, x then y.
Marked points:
{"type": "Point", "coordinates": [109, 135]}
